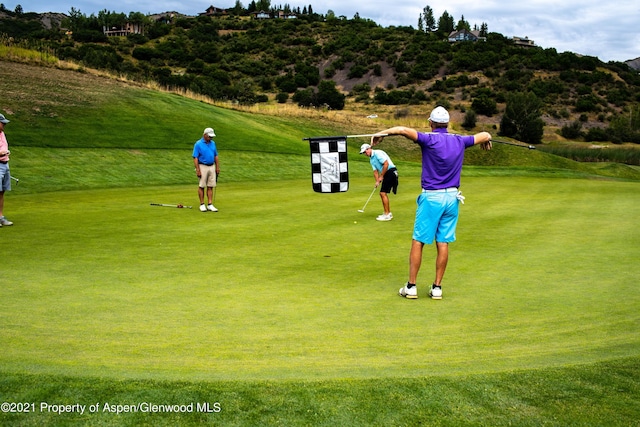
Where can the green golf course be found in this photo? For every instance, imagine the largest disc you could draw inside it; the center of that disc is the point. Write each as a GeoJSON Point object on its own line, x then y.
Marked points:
{"type": "Point", "coordinates": [282, 308]}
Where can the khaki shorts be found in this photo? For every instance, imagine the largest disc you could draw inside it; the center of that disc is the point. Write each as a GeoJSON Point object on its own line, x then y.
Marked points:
{"type": "Point", "coordinates": [207, 176]}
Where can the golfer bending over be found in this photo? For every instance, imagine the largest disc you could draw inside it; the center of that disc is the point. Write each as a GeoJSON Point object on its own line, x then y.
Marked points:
{"type": "Point", "coordinates": [385, 173]}
{"type": "Point", "coordinates": [437, 210]}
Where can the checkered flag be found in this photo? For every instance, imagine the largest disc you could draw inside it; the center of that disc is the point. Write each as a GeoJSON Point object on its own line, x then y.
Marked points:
{"type": "Point", "coordinates": [329, 167]}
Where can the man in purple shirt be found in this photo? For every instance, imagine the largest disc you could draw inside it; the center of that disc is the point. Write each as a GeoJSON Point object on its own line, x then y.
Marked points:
{"type": "Point", "coordinates": [437, 211]}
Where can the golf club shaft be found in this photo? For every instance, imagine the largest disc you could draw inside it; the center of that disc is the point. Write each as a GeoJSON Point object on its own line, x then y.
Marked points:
{"type": "Point", "coordinates": [215, 188]}
{"type": "Point", "coordinates": [170, 206]}
{"type": "Point", "coordinates": [370, 195]}
{"type": "Point", "coordinates": [530, 147]}
{"type": "Point", "coordinates": [15, 179]}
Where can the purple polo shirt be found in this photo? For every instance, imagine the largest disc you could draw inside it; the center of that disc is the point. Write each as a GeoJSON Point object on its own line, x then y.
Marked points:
{"type": "Point", "coordinates": [442, 156]}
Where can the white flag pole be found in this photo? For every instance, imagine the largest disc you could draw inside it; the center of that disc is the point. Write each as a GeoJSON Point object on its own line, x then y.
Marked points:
{"type": "Point", "coordinates": [367, 135]}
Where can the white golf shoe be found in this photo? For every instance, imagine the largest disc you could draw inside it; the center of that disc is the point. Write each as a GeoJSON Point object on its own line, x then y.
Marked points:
{"type": "Point", "coordinates": [5, 221]}
{"type": "Point", "coordinates": [203, 208]}
{"type": "Point", "coordinates": [409, 293]}
{"type": "Point", "coordinates": [212, 208]}
{"type": "Point", "coordinates": [385, 217]}
{"type": "Point", "coordinates": [435, 292]}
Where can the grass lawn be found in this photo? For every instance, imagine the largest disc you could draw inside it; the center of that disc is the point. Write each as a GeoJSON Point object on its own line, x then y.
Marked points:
{"type": "Point", "coordinates": [287, 283]}
{"type": "Point", "coordinates": [285, 287]}
{"type": "Point", "coordinates": [282, 308]}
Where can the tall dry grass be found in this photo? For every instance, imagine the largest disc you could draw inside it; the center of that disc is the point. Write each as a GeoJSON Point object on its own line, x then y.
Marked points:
{"type": "Point", "coordinates": [22, 51]}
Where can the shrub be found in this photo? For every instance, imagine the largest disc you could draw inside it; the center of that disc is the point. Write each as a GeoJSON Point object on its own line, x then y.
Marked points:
{"type": "Point", "coordinates": [357, 71]}
{"type": "Point", "coordinates": [597, 135]}
{"type": "Point", "coordinates": [484, 105]}
{"type": "Point", "coordinates": [572, 131]}
{"type": "Point", "coordinates": [304, 98]}
{"type": "Point", "coordinates": [469, 120]}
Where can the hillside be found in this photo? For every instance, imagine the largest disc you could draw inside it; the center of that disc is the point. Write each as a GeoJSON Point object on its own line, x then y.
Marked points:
{"type": "Point", "coordinates": [350, 63]}
{"type": "Point", "coordinates": [66, 118]}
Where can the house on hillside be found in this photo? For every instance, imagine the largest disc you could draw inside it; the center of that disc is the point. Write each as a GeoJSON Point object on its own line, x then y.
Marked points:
{"type": "Point", "coordinates": [523, 42]}
{"type": "Point", "coordinates": [465, 35]}
{"type": "Point", "coordinates": [214, 11]}
{"type": "Point", "coordinates": [286, 15]}
{"type": "Point", "coordinates": [261, 15]}
{"type": "Point", "coordinates": [164, 18]}
{"type": "Point", "coordinates": [281, 14]}
{"type": "Point", "coordinates": [124, 30]}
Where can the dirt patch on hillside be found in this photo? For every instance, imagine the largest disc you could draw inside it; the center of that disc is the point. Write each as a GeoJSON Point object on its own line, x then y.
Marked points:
{"type": "Point", "coordinates": [42, 90]}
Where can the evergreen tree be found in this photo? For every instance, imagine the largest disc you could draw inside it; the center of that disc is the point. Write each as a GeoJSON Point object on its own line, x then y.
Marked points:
{"type": "Point", "coordinates": [428, 20]}
{"type": "Point", "coordinates": [445, 23]}
{"type": "Point", "coordinates": [330, 95]}
{"type": "Point", "coordinates": [522, 118]}
{"type": "Point", "coordinates": [463, 25]}
{"type": "Point", "coordinates": [484, 29]}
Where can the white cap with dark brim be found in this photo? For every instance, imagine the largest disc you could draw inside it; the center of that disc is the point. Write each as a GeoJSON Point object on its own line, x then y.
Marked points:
{"type": "Point", "coordinates": [364, 147]}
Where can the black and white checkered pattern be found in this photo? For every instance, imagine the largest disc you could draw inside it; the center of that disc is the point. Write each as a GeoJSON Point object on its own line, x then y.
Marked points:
{"type": "Point", "coordinates": [329, 166]}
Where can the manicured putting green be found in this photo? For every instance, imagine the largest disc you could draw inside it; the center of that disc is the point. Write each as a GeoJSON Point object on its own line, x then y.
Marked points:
{"type": "Point", "coordinates": [286, 283]}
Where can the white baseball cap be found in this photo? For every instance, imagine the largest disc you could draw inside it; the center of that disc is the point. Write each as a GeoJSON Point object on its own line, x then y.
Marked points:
{"type": "Point", "coordinates": [364, 147]}
{"type": "Point", "coordinates": [210, 132]}
{"type": "Point", "coordinates": [439, 115]}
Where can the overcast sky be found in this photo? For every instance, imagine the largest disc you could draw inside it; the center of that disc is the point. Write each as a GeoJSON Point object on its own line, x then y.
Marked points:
{"type": "Point", "coordinates": [608, 30]}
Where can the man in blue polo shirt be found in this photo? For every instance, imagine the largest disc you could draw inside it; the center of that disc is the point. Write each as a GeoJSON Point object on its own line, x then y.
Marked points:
{"type": "Point", "coordinates": [205, 159]}
{"type": "Point", "coordinates": [437, 211]}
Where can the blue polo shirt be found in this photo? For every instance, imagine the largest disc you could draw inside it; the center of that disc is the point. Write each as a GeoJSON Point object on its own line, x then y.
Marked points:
{"type": "Point", "coordinates": [205, 152]}
{"type": "Point", "coordinates": [442, 156]}
{"type": "Point", "coordinates": [377, 159]}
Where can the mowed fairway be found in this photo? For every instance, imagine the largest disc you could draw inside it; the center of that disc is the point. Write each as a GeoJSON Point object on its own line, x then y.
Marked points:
{"type": "Point", "coordinates": [285, 283]}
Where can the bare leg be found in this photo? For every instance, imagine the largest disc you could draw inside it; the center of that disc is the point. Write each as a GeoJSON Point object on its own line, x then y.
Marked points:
{"type": "Point", "coordinates": [441, 261]}
{"type": "Point", "coordinates": [201, 194]}
{"type": "Point", "coordinates": [385, 203]}
{"type": "Point", "coordinates": [210, 194]}
{"type": "Point", "coordinates": [415, 260]}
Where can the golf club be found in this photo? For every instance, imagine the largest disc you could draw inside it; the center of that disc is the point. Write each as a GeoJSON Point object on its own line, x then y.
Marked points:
{"type": "Point", "coordinates": [15, 179]}
{"type": "Point", "coordinates": [214, 189]}
{"type": "Point", "coordinates": [365, 205]}
{"type": "Point", "coordinates": [170, 206]}
{"type": "Point", "coordinates": [530, 147]}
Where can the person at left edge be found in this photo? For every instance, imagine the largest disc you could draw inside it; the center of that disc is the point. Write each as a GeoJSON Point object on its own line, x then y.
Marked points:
{"type": "Point", "coordinates": [5, 173]}
{"type": "Point", "coordinates": [205, 159]}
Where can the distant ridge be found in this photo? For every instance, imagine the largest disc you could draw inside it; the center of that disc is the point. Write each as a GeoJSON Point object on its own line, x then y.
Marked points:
{"type": "Point", "coordinates": [634, 63]}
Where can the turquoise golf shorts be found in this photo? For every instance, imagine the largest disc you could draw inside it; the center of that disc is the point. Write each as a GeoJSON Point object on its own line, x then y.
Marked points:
{"type": "Point", "coordinates": [436, 216]}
